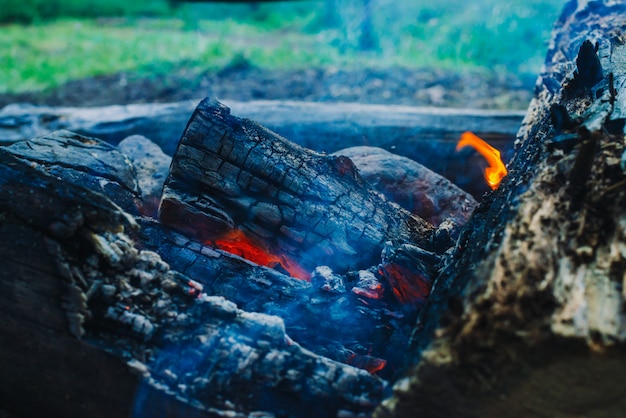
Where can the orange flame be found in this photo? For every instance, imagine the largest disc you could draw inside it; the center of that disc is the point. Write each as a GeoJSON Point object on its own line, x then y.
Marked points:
{"type": "Point", "coordinates": [236, 242]}
{"type": "Point", "coordinates": [496, 170]}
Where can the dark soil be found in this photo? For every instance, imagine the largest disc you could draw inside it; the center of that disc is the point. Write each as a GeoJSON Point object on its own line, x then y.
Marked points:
{"type": "Point", "coordinates": [388, 86]}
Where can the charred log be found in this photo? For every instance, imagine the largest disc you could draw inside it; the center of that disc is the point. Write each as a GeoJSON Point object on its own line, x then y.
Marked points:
{"type": "Point", "coordinates": [340, 322]}
{"type": "Point", "coordinates": [86, 161]}
{"type": "Point", "coordinates": [425, 135]}
{"type": "Point", "coordinates": [527, 317]}
{"type": "Point", "coordinates": [231, 174]}
{"type": "Point", "coordinates": [84, 304]}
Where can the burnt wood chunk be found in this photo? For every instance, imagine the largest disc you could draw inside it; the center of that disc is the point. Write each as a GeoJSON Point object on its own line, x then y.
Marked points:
{"type": "Point", "coordinates": [87, 315]}
{"type": "Point", "coordinates": [413, 186]}
{"type": "Point", "coordinates": [151, 168]}
{"type": "Point", "coordinates": [338, 323]}
{"type": "Point", "coordinates": [527, 317]}
{"type": "Point", "coordinates": [88, 162]}
{"type": "Point", "coordinates": [231, 173]}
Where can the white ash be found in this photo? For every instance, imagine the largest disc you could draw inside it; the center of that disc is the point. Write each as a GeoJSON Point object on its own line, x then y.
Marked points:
{"type": "Point", "coordinates": [324, 279]}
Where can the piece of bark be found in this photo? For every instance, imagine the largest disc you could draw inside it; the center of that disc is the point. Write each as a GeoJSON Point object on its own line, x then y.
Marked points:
{"type": "Point", "coordinates": [84, 311]}
{"type": "Point", "coordinates": [151, 168]}
{"type": "Point", "coordinates": [527, 317]}
{"type": "Point", "coordinates": [411, 185]}
{"type": "Point", "coordinates": [89, 162]}
{"type": "Point", "coordinates": [233, 174]}
{"type": "Point", "coordinates": [424, 134]}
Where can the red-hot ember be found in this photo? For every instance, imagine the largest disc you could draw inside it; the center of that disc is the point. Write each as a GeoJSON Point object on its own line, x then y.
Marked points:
{"type": "Point", "coordinates": [369, 363]}
{"type": "Point", "coordinates": [408, 286]}
{"type": "Point", "coordinates": [374, 292]}
{"type": "Point", "coordinates": [236, 242]}
{"type": "Point", "coordinates": [496, 170]}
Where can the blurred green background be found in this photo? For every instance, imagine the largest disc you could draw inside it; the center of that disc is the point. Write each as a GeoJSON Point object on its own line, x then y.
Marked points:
{"type": "Point", "coordinates": [45, 43]}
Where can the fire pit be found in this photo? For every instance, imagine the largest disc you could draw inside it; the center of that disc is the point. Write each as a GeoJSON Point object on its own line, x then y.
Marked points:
{"type": "Point", "coordinates": [251, 276]}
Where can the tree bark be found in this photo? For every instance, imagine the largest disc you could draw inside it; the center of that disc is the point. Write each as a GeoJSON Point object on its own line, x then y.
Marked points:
{"type": "Point", "coordinates": [527, 317]}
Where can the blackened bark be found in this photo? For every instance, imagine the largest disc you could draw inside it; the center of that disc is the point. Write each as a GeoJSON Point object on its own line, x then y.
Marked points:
{"type": "Point", "coordinates": [527, 317]}
{"type": "Point", "coordinates": [230, 173]}
{"type": "Point", "coordinates": [87, 315]}
{"type": "Point", "coordinates": [339, 324]}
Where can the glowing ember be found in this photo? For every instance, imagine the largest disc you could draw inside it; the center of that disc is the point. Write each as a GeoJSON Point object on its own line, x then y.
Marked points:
{"type": "Point", "coordinates": [408, 286]}
{"type": "Point", "coordinates": [369, 363]}
{"type": "Point", "coordinates": [236, 242]}
{"type": "Point", "coordinates": [496, 170]}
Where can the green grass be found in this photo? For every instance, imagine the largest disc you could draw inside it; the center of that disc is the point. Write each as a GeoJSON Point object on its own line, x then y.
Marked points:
{"type": "Point", "coordinates": [49, 54]}
{"type": "Point", "coordinates": [488, 34]}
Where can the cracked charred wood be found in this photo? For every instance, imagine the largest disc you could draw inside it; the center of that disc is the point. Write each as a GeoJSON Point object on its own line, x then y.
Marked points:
{"type": "Point", "coordinates": [527, 317]}
{"type": "Point", "coordinates": [89, 319]}
{"type": "Point", "coordinates": [89, 162]}
{"type": "Point", "coordinates": [41, 361]}
{"type": "Point", "coordinates": [339, 322]}
{"type": "Point", "coordinates": [151, 166]}
{"type": "Point", "coordinates": [131, 175]}
{"type": "Point", "coordinates": [231, 174]}
{"type": "Point", "coordinates": [426, 135]}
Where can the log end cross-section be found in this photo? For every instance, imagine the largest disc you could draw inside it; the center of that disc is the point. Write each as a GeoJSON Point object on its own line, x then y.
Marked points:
{"type": "Point", "coordinates": [231, 174]}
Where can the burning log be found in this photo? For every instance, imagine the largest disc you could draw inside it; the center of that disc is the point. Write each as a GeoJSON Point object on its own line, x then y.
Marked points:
{"type": "Point", "coordinates": [236, 184]}
{"type": "Point", "coordinates": [340, 323]}
{"type": "Point", "coordinates": [95, 315]}
{"type": "Point", "coordinates": [425, 135]}
{"type": "Point", "coordinates": [527, 317]}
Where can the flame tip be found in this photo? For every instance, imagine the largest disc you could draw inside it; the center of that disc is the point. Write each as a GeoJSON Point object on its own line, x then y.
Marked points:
{"type": "Point", "coordinates": [497, 169]}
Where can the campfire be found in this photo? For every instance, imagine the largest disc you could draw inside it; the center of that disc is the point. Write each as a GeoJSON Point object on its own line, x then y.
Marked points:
{"type": "Point", "coordinates": [249, 275]}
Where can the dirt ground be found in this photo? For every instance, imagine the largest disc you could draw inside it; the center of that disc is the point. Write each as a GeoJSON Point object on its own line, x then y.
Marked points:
{"type": "Point", "coordinates": [388, 86]}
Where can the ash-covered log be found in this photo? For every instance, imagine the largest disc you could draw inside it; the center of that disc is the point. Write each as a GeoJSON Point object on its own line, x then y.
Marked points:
{"type": "Point", "coordinates": [232, 180]}
{"type": "Point", "coordinates": [342, 322]}
{"type": "Point", "coordinates": [89, 162]}
{"type": "Point", "coordinates": [87, 315]}
{"type": "Point", "coordinates": [527, 318]}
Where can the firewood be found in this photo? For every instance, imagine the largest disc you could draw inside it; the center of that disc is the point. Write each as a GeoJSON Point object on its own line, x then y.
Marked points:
{"type": "Point", "coordinates": [527, 318]}
{"type": "Point", "coordinates": [87, 315]}
{"type": "Point", "coordinates": [339, 323]}
{"type": "Point", "coordinates": [424, 134]}
{"type": "Point", "coordinates": [151, 166]}
{"type": "Point", "coordinates": [231, 174]}
{"type": "Point", "coordinates": [81, 160]}
{"type": "Point", "coordinates": [413, 186]}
